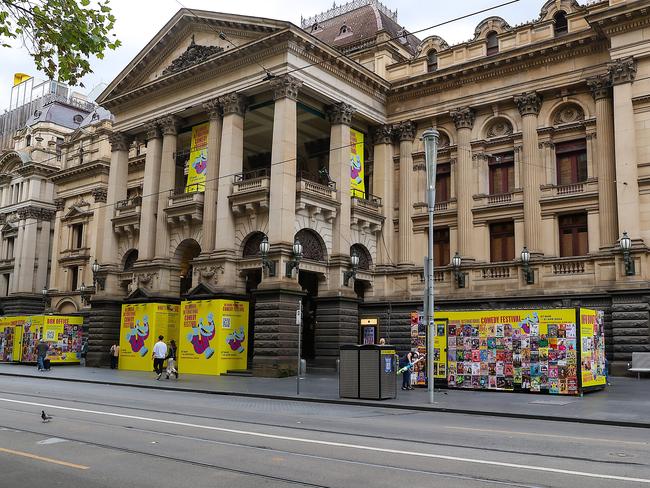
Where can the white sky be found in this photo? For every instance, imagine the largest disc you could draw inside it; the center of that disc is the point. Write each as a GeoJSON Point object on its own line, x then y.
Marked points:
{"type": "Point", "coordinates": [139, 20]}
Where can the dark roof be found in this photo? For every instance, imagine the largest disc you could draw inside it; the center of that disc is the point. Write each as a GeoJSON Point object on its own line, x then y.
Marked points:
{"type": "Point", "coordinates": [99, 114]}
{"type": "Point", "coordinates": [58, 113]}
{"type": "Point", "coordinates": [361, 24]}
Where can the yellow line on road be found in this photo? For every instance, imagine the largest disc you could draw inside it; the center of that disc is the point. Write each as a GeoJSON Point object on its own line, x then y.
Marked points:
{"type": "Point", "coordinates": [44, 459]}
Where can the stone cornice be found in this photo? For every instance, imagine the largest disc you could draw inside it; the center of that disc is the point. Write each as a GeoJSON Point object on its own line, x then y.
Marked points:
{"type": "Point", "coordinates": [94, 168]}
{"type": "Point", "coordinates": [36, 169]}
{"type": "Point", "coordinates": [621, 18]}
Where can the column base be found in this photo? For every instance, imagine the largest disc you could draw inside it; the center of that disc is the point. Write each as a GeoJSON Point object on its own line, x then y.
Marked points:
{"type": "Point", "coordinates": [103, 330]}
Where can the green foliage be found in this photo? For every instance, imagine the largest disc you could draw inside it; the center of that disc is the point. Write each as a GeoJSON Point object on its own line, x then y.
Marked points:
{"type": "Point", "coordinates": [59, 34]}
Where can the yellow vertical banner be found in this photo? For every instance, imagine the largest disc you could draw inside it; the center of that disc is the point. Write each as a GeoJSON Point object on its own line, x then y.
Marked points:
{"type": "Point", "coordinates": [233, 335]}
{"type": "Point", "coordinates": [357, 175]}
{"type": "Point", "coordinates": [64, 335]}
{"type": "Point", "coordinates": [11, 335]}
{"type": "Point", "coordinates": [198, 163]}
{"type": "Point", "coordinates": [592, 348]}
{"type": "Point", "coordinates": [198, 331]}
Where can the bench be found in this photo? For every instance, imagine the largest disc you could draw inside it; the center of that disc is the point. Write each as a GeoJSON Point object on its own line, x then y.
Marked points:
{"type": "Point", "coordinates": [640, 363]}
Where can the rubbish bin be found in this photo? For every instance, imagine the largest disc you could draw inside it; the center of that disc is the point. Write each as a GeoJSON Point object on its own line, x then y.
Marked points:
{"type": "Point", "coordinates": [349, 371]}
{"type": "Point", "coordinates": [377, 372]}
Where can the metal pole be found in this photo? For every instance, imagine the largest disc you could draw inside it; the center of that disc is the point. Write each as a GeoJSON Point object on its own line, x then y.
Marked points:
{"type": "Point", "coordinates": [299, 324]}
{"type": "Point", "coordinates": [430, 137]}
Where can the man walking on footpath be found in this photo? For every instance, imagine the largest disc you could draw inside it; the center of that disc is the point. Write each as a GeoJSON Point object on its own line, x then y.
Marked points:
{"type": "Point", "coordinates": [159, 355]}
{"type": "Point", "coordinates": [41, 354]}
{"type": "Point", "coordinates": [115, 354]}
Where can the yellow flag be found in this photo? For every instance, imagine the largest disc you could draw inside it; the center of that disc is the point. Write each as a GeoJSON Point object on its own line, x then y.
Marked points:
{"type": "Point", "coordinates": [20, 77]}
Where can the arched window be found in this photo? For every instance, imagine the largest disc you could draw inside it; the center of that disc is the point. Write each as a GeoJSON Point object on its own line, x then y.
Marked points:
{"type": "Point", "coordinates": [344, 29]}
{"type": "Point", "coordinates": [28, 142]}
{"type": "Point", "coordinates": [492, 43]}
{"type": "Point", "coordinates": [432, 61]}
{"type": "Point", "coordinates": [561, 25]}
{"type": "Point", "coordinates": [129, 259]}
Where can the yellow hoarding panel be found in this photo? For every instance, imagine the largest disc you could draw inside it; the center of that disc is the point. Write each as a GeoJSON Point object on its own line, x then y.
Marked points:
{"type": "Point", "coordinates": [65, 337]}
{"type": "Point", "coordinates": [357, 174]}
{"type": "Point", "coordinates": [11, 336]}
{"type": "Point", "coordinates": [592, 351]}
{"type": "Point", "coordinates": [233, 335]}
{"type": "Point", "coordinates": [32, 328]}
{"type": "Point", "coordinates": [197, 170]}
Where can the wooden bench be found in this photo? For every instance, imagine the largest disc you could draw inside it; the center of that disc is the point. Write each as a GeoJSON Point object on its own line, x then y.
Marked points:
{"type": "Point", "coordinates": [640, 363]}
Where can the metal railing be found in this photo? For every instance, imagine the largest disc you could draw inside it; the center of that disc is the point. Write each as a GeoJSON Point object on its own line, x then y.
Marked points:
{"type": "Point", "coordinates": [129, 203]}
{"type": "Point", "coordinates": [368, 197]}
{"type": "Point", "coordinates": [252, 175]}
{"type": "Point", "coordinates": [316, 178]}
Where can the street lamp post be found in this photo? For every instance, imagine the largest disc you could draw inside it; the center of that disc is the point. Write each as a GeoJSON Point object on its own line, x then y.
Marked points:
{"type": "Point", "coordinates": [265, 247]}
{"type": "Point", "coordinates": [297, 256]}
{"type": "Point", "coordinates": [529, 274]}
{"type": "Point", "coordinates": [456, 261]}
{"type": "Point", "coordinates": [45, 297]}
{"type": "Point", "coordinates": [354, 262]}
{"type": "Point", "coordinates": [430, 137]}
{"type": "Point", "coordinates": [98, 282]}
{"type": "Point", "coordinates": [626, 244]}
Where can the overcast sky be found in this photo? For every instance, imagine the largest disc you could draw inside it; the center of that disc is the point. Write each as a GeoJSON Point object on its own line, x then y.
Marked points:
{"type": "Point", "coordinates": [139, 20]}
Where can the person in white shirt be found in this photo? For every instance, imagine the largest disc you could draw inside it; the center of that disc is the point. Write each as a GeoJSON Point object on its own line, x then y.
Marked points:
{"type": "Point", "coordinates": [159, 355]}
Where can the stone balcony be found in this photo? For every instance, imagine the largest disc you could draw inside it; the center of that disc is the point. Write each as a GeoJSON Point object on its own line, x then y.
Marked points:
{"type": "Point", "coordinates": [444, 213]}
{"type": "Point", "coordinates": [576, 195]}
{"type": "Point", "coordinates": [366, 212]}
{"type": "Point", "coordinates": [250, 192]}
{"type": "Point", "coordinates": [185, 207]}
{"type": "Point", "coordinates": [126, 219]}
{"type": "Point", "coordinates": [316, 197]}
{"type": "Point", "coordinates": [74, 256]}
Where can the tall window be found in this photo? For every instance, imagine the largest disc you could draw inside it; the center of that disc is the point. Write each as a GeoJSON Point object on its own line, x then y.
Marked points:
{"type": "Point", "coordinates": [502, 242]}
{"type": "Point", "coordinates": [492, 43]}
{"type": "Point", "coordinates": [77, 236]}
{"type": "Point", "coordinates": [443, 182]}
{"type": "Point", "coordinates": [432, 61]}
{"type": "Point", "coordinates": [561, 25]}
{"type": "Point", "coordinates": [10, 248]}
{"type": "Point", "coordinates": [574, 238]}
{"type": "Point", "coordinates": [502, 173]}
{"type": "Point", "coordinates": [441, 247]}
{"type": "Point", "coordinates": [74, 277]}
{"type": "Point", "coordinates": [571, 159]}
{"type": "Point", "coordinates": [59, 143]}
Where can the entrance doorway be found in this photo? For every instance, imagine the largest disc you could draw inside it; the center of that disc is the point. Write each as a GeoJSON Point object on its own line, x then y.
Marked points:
{"type": "Point", "coordinates": [309, 283]}
{"type": "Point", "coordinates": [184, 255]}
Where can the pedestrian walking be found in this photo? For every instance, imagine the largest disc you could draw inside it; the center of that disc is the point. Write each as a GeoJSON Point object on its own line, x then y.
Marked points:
{"type": "Point", "coordinates": [171, 359]}
{"type": "Point", "coordinates": [405, 364]}
{"type": "Point", "coordinates": [114, 354]}
{"type": "Point", "coordinates": [84, 353]}
{"type": "Point", "coordinates": [159, 355]}
{"type": "Point", "coordinates": [41, 353]}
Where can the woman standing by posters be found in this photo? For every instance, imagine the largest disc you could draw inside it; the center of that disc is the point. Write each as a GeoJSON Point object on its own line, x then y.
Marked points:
{"type": "Point", "coordinates": [114, 353]}
{"type": "Point", "coordinates": [171, 359]}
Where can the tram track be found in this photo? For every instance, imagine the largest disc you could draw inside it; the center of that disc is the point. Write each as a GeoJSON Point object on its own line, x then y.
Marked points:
{"type": "Point", "coordinates": [318, 431]}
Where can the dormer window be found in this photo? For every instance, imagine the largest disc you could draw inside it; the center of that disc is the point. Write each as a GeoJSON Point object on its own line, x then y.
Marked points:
{"type": "Point", "coordinates": [344, 30]}
{"type": "Point", "coordinates": [432, 61]}
{"type": "Point", "coordinates": [314, 27]}
{"type": "Point", "coordinates": [492, 43]}
{"type": "Point", "coordinates": [561, 26]}
{"type": "Point", "coordinates": [78, 119]}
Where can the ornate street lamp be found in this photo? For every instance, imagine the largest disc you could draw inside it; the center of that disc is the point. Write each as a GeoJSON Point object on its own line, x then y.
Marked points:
{"type": "Point", "coordinates": [529, 274]}
{"type": "Point", "coordinates": [456, 262]}
{"type": "Point", "coordinates": [626, 245]}
{"type": "Point", "coordinates": [46, 298]}
{"type": "Point", "coordinates": [85, 296]}
{"type": "Point", "coordinates": [354, 262]}
{"type": "Point", "coordinates": [265, 247]}
{"type": "Point", "coordinates": [98, 281]}
{"type": "Point", "coordinates": [297, 256]}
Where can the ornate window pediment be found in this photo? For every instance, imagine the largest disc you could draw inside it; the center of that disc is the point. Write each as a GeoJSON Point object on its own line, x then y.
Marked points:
{"type": "Point", "coordinates": [195, 54]}
{"type": "Point", "coordinates": [77, 213]}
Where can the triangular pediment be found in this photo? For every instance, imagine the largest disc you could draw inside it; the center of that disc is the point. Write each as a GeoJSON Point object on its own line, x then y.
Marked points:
{"type": "Point", "coordinates": [202, 290]}
{"type": "Point", "coordinates": [190, 37]}
{"type": "Point", "coordinates": [76, 211]}
{"type": "Point", "coordinates": [138, 294]}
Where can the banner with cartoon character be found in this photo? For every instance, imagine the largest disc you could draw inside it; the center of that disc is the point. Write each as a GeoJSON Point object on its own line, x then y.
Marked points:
{"type": "Point", "coordinates": [11, 336]}
{"type": "Point", "coordinates": [233, 335]}
{"type": "Point", "coordinates": [357, 174]}
{"type": "Point", "coordinates": [198, 164]}
{"type": "Point", "coordinates": [140, 327]}
{"type": "Point", "coordinates": [592, 350]}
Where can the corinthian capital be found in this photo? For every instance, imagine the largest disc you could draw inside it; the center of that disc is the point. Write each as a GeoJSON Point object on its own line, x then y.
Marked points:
{"type": "Point", "coordinates": [600, 86]}
{"type": "Point", "coordinates": [152, 130]}
{"type": "Point", "coordinates": [233, 103]}
{"type": "Point", "coordinates": [213, 108]}
{"type": "Point", "coordinates": [383, 134]}
{"type": "Point", "coordinates": [120, 141]}
{"type": "Point", "coordinates": [622, 71]}
{"type": "Point", "coordinates": [529, 103]}
{"type": "Point", "coordinates": [170, 125]}
{"type": "Point", "coordinates": [406, 130]}
{"type": "Point", "coordinates": [285, 86]}
{"type": "Point", "coordinates": [463, 117]}
{"type": "Point", "coordinates": [340, 113]}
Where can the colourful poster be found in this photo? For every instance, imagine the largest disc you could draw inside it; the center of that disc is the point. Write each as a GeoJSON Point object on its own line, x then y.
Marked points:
{"type": "Point", "coordinates": [357, 175]}
{"type": "Point", "coordinates": [140, 326]}
{"type": "Point", "coordinates": [11, 335]}
{"type": "Point", "coordinates": [213, 336]}
{"type": "Point", "coordinates": [65, 336]}
{"type": "Point", "coordinates": [198, 163]}
{"type": "Point", "coordinates": [592, 351]}
{"type": "Point", "coordinates": [440, 349]}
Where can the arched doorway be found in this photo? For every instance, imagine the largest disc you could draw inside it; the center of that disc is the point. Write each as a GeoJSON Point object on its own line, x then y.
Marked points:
{"type": "Point", "coordinates": [185, 253]}
{"type": "Point", "coordinates": [365, 262]}
{"type": "Point", "coordinates": [129, 259]}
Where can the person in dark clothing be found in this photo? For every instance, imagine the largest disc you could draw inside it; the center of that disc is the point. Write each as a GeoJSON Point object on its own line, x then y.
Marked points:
{"type": "Point", "coordinates": [171, 359]}
{"type": "Point", "coordinates": [41, 354]}
{"type": "Point", "coordinates": [406, 362]}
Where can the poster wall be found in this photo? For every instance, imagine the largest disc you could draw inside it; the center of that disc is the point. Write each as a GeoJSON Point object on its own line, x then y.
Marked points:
{"type": "Point", "coordinates": [140, 326]}
{"type": "Point", "coordinates": [357, 172]}
{"type": "Point", "coordinates": [213, 336]}
{"type": "Point", "coordinates": [11, 336]}
{"type": "Point", "coordinates": [65, 337]}
{"type": "Point", "coordinates": [197, 170]}
{"type": "Point", "coordinates": [592, 350]}
{"type": "Point", "coordinates": [419, 343]}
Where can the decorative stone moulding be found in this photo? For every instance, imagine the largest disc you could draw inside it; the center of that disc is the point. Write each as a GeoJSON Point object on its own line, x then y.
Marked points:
{"type": "Point", "coordinates": [568, 113]}
{"type": "Point", "coordinates": [528, 103]}
{"type": "Point", "coordinates": [463, 117]}
{"type": "Point", "coordinates": [195, 54]}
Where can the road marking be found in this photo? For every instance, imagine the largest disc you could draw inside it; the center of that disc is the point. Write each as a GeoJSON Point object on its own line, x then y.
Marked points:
{"type": "Point", "coordinates": [338, 444]}
{"type": "Point", "coordinates": [44, 459]}
{"type": "Point", "coordinates": [566, 437]}
{"type": "Point", "coordinates": [51, 440]}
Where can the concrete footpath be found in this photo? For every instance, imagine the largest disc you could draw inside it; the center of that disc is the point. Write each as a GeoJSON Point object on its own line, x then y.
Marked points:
{"type": "Point", "coordinates": [625, 403]}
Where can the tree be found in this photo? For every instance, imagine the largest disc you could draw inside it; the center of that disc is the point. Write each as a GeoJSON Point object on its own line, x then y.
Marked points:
{"type": "Point", "coordinates": [59, 34]}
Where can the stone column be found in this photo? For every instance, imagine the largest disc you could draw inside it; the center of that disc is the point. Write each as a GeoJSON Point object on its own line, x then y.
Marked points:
{"type": "Point", "coordinates": [464, 120]}
{"type": "Point", "coordinates": [406, 132]}
{"type": "Point", "coordinates": [147, 239]}
{"type": "Point", "coordinates": [213, 107]}
{"type": "Point", "coordinates": [383, 175]}
{"type": "Point", "coordinates": [169, 125]}
{"type": "Point", "coordinates": [283, 162]}
{"type": "Point", "coordinates": [622, 73]}
{"type": "Point", "coordinates": [529, 105]}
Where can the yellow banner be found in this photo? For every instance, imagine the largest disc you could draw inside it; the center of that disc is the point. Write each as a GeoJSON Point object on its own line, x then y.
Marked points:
{"type": "Point", "coordinates": [11, 336]}
{"type": "Point", "coordinates": [65, 336]}
{"type": "Point", "coordinates": [357, 175]}
{"type": "Point", "coordinates": [233, 335]}
{"type": "Point", "coordinates": [198, 163]}
{"type": "Point", "coordinates": [141, 324]}
{"type": "Point", "coordinates": [592, 352]}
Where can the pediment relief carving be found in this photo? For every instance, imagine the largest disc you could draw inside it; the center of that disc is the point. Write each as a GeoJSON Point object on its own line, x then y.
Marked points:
{"type": "Point", "coordinates": [568, 113]}
{"type": "Point", "coordinates": [194, 54]}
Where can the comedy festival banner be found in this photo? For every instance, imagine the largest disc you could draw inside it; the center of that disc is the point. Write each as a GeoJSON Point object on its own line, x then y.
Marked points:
{"type": "Point", "coordinates": [11, 336]}
{"type": "Point", "coordinates": [140, 326]}
{"type": "Point", "coordinates": [213, 336]}
{"type": "Point", "coordinates": [198, 164]}
{"type": "Point", "coordinates": [592, 351]}
{"type": "Point", "coordinates": [357, 175]}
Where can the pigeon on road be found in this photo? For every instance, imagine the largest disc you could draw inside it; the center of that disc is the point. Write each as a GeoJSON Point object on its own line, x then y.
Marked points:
{"type": "Point", "coordinates": [45, 417]}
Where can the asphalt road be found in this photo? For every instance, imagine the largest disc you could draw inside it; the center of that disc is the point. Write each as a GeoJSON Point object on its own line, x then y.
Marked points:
{"type": "Point", "coordinates": [108, 436]}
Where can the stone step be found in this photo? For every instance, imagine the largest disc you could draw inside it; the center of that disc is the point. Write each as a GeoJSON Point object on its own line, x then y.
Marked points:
{"type": "Point", "coordinates": [238, 372]}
